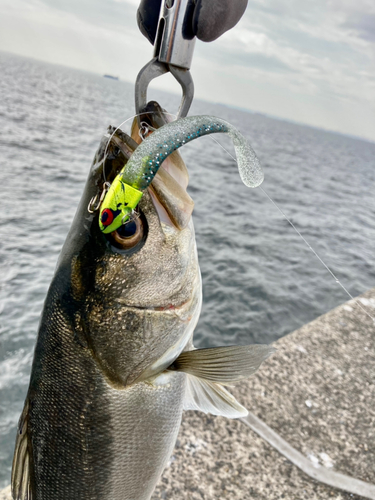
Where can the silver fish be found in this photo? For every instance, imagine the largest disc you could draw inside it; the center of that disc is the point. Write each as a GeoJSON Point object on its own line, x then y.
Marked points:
{"type": "Point", "coordinates": [114, 362]}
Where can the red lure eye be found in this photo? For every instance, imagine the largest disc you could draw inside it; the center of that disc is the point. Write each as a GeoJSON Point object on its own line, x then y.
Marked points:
{"type": "Point", "coordinates": [106, 217]}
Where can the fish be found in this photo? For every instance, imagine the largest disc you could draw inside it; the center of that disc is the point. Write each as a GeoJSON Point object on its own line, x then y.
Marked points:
{"type": "Point", "coordinates": [114, 364]}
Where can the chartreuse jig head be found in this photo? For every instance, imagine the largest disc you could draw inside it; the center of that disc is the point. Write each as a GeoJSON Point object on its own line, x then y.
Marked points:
{"type": "Point", "coordinates": [118, 204]}
{"type": "Point", "coordinates": [127, 188]}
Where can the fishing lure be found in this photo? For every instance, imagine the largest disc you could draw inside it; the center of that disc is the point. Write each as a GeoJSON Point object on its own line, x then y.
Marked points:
{"type": "Point", "coordinates": [127, 188]}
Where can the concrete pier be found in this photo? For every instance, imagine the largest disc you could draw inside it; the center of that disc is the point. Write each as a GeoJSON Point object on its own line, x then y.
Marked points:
{"type": "Point", "coordinates": [317, 393]}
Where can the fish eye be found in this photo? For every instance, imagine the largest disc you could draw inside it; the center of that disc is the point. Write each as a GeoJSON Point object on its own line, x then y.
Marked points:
{"type": "Point", "coordinates": [129, 235]}
{"type": "Point", "coordinates": [128, 229]}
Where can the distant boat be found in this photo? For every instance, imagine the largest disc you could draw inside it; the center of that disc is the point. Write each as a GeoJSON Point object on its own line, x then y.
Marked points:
{"type": "Point", "coordinates": [111, 77]}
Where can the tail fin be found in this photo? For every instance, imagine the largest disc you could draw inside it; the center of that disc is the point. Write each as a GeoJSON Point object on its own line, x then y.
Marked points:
{"type": "Point", "coordinates": [22, 460]}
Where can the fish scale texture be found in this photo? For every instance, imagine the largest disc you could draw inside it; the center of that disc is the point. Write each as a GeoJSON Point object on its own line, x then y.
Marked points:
{"type": "Point", "coordinates": [219, 458]}
{"type": "Point", "coordinates": [97, 428]}
{"type": "Point", "coordinates": [91, 428]}
{"type": "Point", "coordinates": [161, 407]}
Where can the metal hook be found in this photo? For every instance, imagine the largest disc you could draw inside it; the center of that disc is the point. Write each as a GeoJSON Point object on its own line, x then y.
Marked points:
{"type": "Point", "coordinates": [144, 129]}
{"type": "Point", "coordinates": [133, 216]}
{"type": "Point", "coordinates": [94, 205]}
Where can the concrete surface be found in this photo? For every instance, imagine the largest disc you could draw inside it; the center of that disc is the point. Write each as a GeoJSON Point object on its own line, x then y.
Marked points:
{"type": "Point", "coordinates": [317, 392]}
{"type": "Point", "coordinates": [5, 494]}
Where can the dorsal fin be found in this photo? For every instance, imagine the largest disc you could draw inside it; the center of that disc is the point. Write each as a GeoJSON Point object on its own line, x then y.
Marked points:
{"type": "Point", "coordinates": [22, 460]}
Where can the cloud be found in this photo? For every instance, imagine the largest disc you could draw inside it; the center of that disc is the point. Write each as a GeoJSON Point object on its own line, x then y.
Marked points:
{"type": "Point", "coordinates": [110, 14]}
{"type": "Point", "coordinates": [258, 60]}
{"type": "Point", "coordinates": [312, 46]}
{"type": "Point", "coordinates": [253, 60]}
{"type": "Point", "coordinates": [318, 55]}
{"type": "Point", "coordinates": [62, 33]}
{"type": "Point", "coordinates": [363, 25]}
{"type": "Point", "coordinates": [311, 62]}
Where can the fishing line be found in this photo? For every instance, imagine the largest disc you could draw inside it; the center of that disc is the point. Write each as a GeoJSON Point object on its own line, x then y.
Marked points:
{"type": "Point", "coordinates": [269, 198]}
{"type": "Point", "coordinates": [303, 239]}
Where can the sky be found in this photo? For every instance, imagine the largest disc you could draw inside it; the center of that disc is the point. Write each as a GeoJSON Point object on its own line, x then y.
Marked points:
{"type": "Point", "coordinates": [310, 61]}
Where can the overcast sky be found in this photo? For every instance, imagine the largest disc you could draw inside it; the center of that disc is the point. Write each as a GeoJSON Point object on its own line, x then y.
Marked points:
{"type": "Point", "coordinates": [310, 61]}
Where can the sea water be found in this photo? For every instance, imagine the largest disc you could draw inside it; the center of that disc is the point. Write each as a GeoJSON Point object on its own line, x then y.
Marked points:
{"type": "Point", "coordinates": [260, 281]}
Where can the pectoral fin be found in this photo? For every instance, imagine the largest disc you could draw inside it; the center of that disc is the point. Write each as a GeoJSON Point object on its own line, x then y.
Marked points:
{"type": "Point", "coordinates": [21, 470]}
{"type": "Point", "coordinates": [209, 369]}
{"type": "Point", "coordinates": [223, 364]}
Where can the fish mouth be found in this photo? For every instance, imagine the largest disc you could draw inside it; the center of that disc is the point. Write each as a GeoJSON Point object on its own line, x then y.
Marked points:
{"type": "Point", "coordinates": [169, 308]}
{"type": "Point", "coordinates": [168, 189]}
{"type": "Point", "coordinates": [185, 317]}
{"type": "Point", "coordinates": [168, 192]}
{"type": "Point", "coordinates": [162, 363]}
